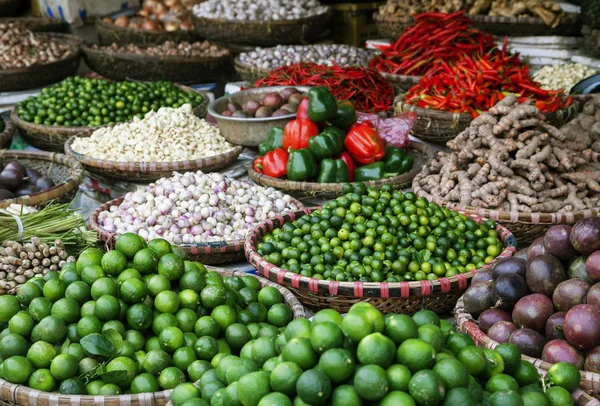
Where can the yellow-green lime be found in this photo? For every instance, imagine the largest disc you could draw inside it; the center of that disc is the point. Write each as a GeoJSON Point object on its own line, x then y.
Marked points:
{"type": "Point", "coordinates": [299, 327]}
{"type": "Point", "coordinates": [327, 315]}
{"type": "Point", "coordinates": [337, 364]}
{"type": "Point", "coordinates": [69, 276]}
{"type": "Point", "coordinates": [564, 374]}
{"type": "Point", "coordinates": [375, 349]}
{"type": "Point", "coordinates": [123, 364]}
{"type": "Point", "coordinates": [370, 382]}
{"type": "Point", "coordinates": [41, 354]}
{"type": "Point", "coordinates": [129, 244]}
{"type": "Point", "coordinates": [156, 361]}
{"type": "Point", "coordinates": [473, 358]}
{"type": "Point", "coordinates": [197, 368]}
{"type": "Point", "coordinates": [326, 335]}
{"type": "Point", "coordinates": [224, 316]}
{"type": "Point", "coordinates": [144, 383]}
{"type": "Point", "coordinates": [189, 299]}
{"type": "Point", "coordinates": [213, 296]}
{"type": "Point", "coordinates": [262, 349]}
{"type": "Point", "coordinates": [167, 302]}
{"type": "Point", "coordinates": [64, 366]}
{"type": "Point", "coordinates": [159, 246]}
{"type": "Point", "coordinates": [116, 325]}
{"type": "Point", "coordinates": [39, 308]}
{"type": "Point", "coordinates": [501, 382]}
{"type": "Point", "coordinates": [193, 279]}
{"type": "Point", "coordinates": [559, 396]}
{"type": "Point", "coordinates": [104, 286]}
{"type": "Point", "coordinates": [424, 317]}
{"type": "Point", "coordinates": [400, 327]}
{"type": "Point", "coordinates": [42, 379]}
{"type": "Point", "coordinates": [109, 389]}
{"type": "Point", "coordinates": [93, 387]}
{"type": "Point", "coordinates": [128, 273]}
{"type": "Point", "coordinates": [26, 293]}
{"type": "Point", "coordinates": [170, 377]}
{"type": "Point", "coordinates": [163, 321]}
{"type": "Point", "coordinates": [91, 274]}
{"type": "Point", "coordinates": [183, 357]}
{"type": "Point", "coordinates": [374, 315]}
{"type": "Point", "coordinates": [494, 364]}
{"type": "Point", "coordinates": [269, 296]}
{"type": "Point", "coordinates": [87, 364]}
{"type": "Point", "coordinates": [398, 377]}
{"type": "Point", "coordinates": [52, 329]}
{"type": "Point", "coordinates": [300, 351]}
{"type": "Point", "coordinates": [357, 326]}
{"type": "Point", "coordinates": [133, 291]}
{"type": "Point", "coordinates": [397, 398]}
{"type": "Point", "coordinates": [75, 350]}
{"type": "Point", "coordinates": [114, 262]}
{"type": "Point", "coordinates": [88, 257]}
{"type": "Point", "coordinates": [172, 266]}
{"type": "Point", "coordinates": [21, 323]}
{"type": "Point", "coordinates": [415, 354]}
{"type": "Point", "coordinates": [457, 341]}
{"type": "Point", "coordinates": [54, 289]}
{"type": "Point", "coordinates": [171, 338]}
{"type": "Point", "coordinates": [136, 339]}
{"type": "Point", "coordinates": [284, 376]}
{"type": "Point", "coordinates": [207, 326]}
{"type": "Point", "coordinates": [275, 399]}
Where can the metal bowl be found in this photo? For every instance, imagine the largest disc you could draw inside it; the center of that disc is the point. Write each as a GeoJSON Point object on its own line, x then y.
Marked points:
{"type": "Point", "coordinates": [249, 131]}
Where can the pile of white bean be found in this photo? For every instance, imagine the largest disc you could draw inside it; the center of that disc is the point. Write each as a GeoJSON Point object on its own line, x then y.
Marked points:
{"type": "Point", "coordinates": [259, 9]}
{"type": "Point", "coordinates": [167, 135]}
{"type": "Point", "coordinates": [562, 77]}
{"type": "Point", "coordinates": [194, 207]}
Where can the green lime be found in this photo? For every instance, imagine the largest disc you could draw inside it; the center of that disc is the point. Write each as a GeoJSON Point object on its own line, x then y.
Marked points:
{"type": "Point", "coordinates": [93, 387]}
{"type": "Point", "coordinates": [501, 382]}
{"type": "Point", "coordinates": [457, 341]}
{"type": "Point", "coordinates": [494, 364]}
{"type": "Point", "coordinates": [42, 379]}
{"type": "Point", "coordinates": [184, 392]}
{"type": "Point", "coordinates": [39, 308]}
{"type": "Point", "coordinates": [86, 365]}
{"type": "Point", "coordinates": [432, 335]}
{"type": "Point", "coordinates": [473, 358]}
{"type": "Point", "coordinates": [535, 399]}
{"type": "Point", "coordinates": [452, 373]}
{"type": "Point", "coordinates": [16, 369]}
{"type": "Point", "coordinates": [167, 302]}
{"type": "Point", "coordinates": [206, 348]}
{"type": "Point", "coordinates": [240, 368]}
{"type": "Point", "coordinates": [565, 375]}
{"type": "Point", "coordinates": [224, 316]}
{"type": "Point", "coordinates": [144, 383]}
{"type": "Point", "coordinates": [76, 350]}
{"type": "Point", "coordinates": [145, 261]}
{"type": "Point", "coordinates": [459, 396]}
{"type": "Point", "coordinates": [357, 326]}
{"type": "Point", "coordinates": [258, 311]}
{"type": "Point", "coordinates": [197, 368]}
{"type": "Point", "coordinates": [207, 326]}
{"type": "Point", "coordinates": [136, 339]}
{"type": "Point", "coordinates": [397, 398]}
{"type": "Point", "coordinates": [171, 266]}
{"type": "Point", "coordinates": [345, 395]}
{"type": "Point", "coordinates": [89, 257]}
{"type": "Point", "coordinates": [299, 328]}
{"type": "Point", "coordinates": [337, 364]}
{"type": "Point", "coordinates": [73, 386]}
{"type": "Point", "coordinates": [69, 276]}
{"type": "Point", "coordinates": [284, 377]}
{"type": "Point", "coordinates": [107, 308]}
{"type": "Point", "coordinates": [160, 247]}
{"type": "Point", "coordinates": [400, 327]}
{"type": "Point", "coordinates": [21, 323]}
{"type": "Point", "coordinates": [113, 262]}
{"type": "Point", "coordinates": [129, 244]}
{"type": "Point", "coordinates": [398, 377]}
{"type": "Point", "coordinates": [54, 289]}
{"type": "Point", "coordinates": [415, 354]}
{"type": "Point", "coordinates": [375, 349]}
{"type": "Point", "coordinates": [269, 296]}
{"type": "Point", "coordinates": [237, 335]}
{"type": "Point", "coordinates": [253, 387]}
{"type": "Point", "coordinates": [41, 354]}
{"type": "Point", "coordinates": [183, 357]}
{"type": "Point", "coordinates": [275, 399]}
{"type": "Point", "coordinates": [13, 344]}
{"type": "Point", "coordinates": [158, 284]}
{"type": "Point", "coordinates": [507, 398]}
{"type": "Point", "coordinates": [424, 317]}
{"type": "Point", "coordinates": [163, 321]}
{"type": "Point", "coordinates": [114, 325]}
{"type": "Point", "coordinates": [109, 389]}
{"type": "Point", "coordinates": [186, 319]}
{"type": "Point", "coordinates": [327, 315]}
{"type": "Point", "coordinates": [133, 291]}
{"type": "Point", "coordinates": [25, 294]}
{"type": "Point", "coordinates": [78, 291]}
{"type": "Point", "coordinates": [213, 296]}
{"type": "Point", "coordinates": [300, 351]}
{"type": "Point", "coordinates": [559, 396]}
{"type": "Point", "coordinates": [171, 338]}
{"type": "Point", "coordinates": [64, 366]}
{"type": "Point", "coordinates": [52, 329]}
{"type": "Point", "coordinates": [123, 364]}
{"type": "Point", "coordinates": [475, 390]}
{"type": "Point", "coordinates": [189, 299]}
{"type": "Point", "coordinates": [370, 382]}
{"type": "Point", "coordinates": [170, 377]}
{"type": "Point", "coordinates": [263, 348]}
{"type": "Point", "coordinates": [156, 361]}
{"type": "Point", "coordinates": [66, 309]}
{"type": "Point", "coordinates": [91, 274]}
{"type": "Point", "coordinates": [128, 274]}
{"type": "Point", "coordinates": [139, 317]}
{"type": "Point", "coordinates": [426, 387]}
{"type": "Point", "coordinates": [193, 279]}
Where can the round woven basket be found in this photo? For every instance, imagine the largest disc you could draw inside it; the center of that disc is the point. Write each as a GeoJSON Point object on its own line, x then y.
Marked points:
{"type": "Point", "coordinates": [150, 171]}
{"type": "Point", "coordinates": [391, 27]}
{"type": "Point", "coordinates": [570, 25]}
{"type": "Point", "coordinates": [36, 76]}
{"type": "Point", "coordinates": [402, 83]}
{"type": "Point", "coordinates": [212, 253]}
{"type": "Point", "coordinates": [54, 137]}
{"type": "Point", "coordinates": [7, 134]}
{"type": "Point", "coordinates": [526, 226]}
{"type": "Point", "coordinates": [318, 193]}
{"type": "Point", "coordinates": [65, 171]}
{"type": "Point", "coordinates": [590, 381]}
{"type": "Point", "coordinates": [185, 70]}
{"type": "Point", "coordinates": [389, 297]}
{"type": "Point", "coordinates": [263, 33]}
{"type": "Point", "coordinates": [248, 72]}
{"type": "Point", "coordinates": [561, 117]}
{"type": "Point", "coordinates": [9, 8]}
{"type": "Point", "coordinates": [111, 33]}
{"type": "Point", "coordinates": [38, 24]}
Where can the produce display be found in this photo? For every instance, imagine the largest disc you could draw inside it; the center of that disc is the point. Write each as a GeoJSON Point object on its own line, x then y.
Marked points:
{"type": "Point", "coordinates": [193, 208]}
{"type": "Point", "coordinates": [285, 55]}
{"type": "Point", "coordinates": [273, 104]}
{"type": "Point", "coordinates": [562, 77]}
{"type": "Point", "coordinates": [195, 49]}
{"type": "Point", "coordinates": [22, 48]}
{"type": "Point", "coordinates": [343, 151]}
{"type": "Point", "coordinates": [511, 159]}
{"type": "Point", "coordinates": [78, 101]}
{"type": "Point", "coordinates": [364, 87]}
{"type": "Point", "coordinates": [381, 235]}
{"type": "Point", "coordinates": [159, 15]}
{"type": "Point", "coordinates": [166, 135]}
{"type": "Point", "coordinates": [258, 9]}
{"type": "Point", "coordinates": [133, 320]}
{"type": "Point", "coordinates": [17, 180]}
{"type": "Point", "coordinates": [365, 358]}
{"type": "Point", "coordinates": [585, 132]}
{"type": "Point", "coordinates": [546, 300]}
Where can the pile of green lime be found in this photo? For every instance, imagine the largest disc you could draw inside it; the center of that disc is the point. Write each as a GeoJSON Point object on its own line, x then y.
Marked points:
{"type": "Point", "coordinates": [136, 319]}
{"type": "Point", "coordinates": [381, 235]}
{"type": "Point", "coordinates": [365, 358]}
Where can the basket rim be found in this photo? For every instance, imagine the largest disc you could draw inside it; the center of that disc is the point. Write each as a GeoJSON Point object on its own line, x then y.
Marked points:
{"type": "Point", "coordinates": [507, 216]}
{"type": "Point", "coordinates": [130, 56]}
{"type": "Point", "coordinates": [412, 288]}
{"type": "Point", "coordinates": [567, 19]}
{"type": "Point", "coordinates": [440, 115]}
{"type": "Point", "coordinates": [268, 23]}
{"type": "Point", "coordinates": [150, 167]}
{"type": "Point", "coordinates": [237, 63]}
{"type": "Point", "coordinates": [288, 185]}
{"type": "Point", "coordinates": [213, 247]}
{"type": "Point", "coordinates": [100, 22]}
{"type": "Point", "coordinates": [71, 183]}
{"type": "Point", "coordinates": [9, 131]}
{"type": "Point", "coordinates": [377, 16]}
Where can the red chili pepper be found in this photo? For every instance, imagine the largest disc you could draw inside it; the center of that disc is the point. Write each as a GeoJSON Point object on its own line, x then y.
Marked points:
{"type": "Point", "coordinates": [347, 158]}
{"type": "Point", "coordinates": [364, 144]}
{"type": "Point", "coordinates": [258, 164]}
{"type": "Point", "coordinates": [296, 133]}
{"type": "Point", "coordinates": [275, 163]}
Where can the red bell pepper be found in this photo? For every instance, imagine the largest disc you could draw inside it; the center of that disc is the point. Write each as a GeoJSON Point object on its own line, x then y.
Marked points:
{"type": "Point", "coordinates": [302, 111]}
{"type": "Point", "coordinates": [364, 144]}
{"type": "Point", "coordinates": [296, 133]}
{"type": "Point", "coordinates": [275, 163]}
{"type": "Point", "coordinates": [258, 164]}
{"type": "Point", "coordinates": [344, 156]}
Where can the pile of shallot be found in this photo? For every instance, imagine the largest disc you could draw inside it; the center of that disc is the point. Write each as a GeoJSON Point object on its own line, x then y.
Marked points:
{"type": "Point", "coordinates": [195, 207]}
{"type": "Point", "coordinates": [159, 15]}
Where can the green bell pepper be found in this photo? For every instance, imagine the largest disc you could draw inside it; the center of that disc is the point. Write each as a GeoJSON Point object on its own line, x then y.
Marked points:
{"type": "Point", "coordinates": [373, 171]}
{"type": "Point", "coordinates": [301, 165]}
{"type": "Point", "coordinates": [407, 164]}
{"type": "Point", "coordinates": [322, 106]}
{"type": "Point", "coordinates": [327, 144]}
{"type": "Point", "coordinates": [345, 115]}
{"type": "Point", "coordinates": [333, 171]}
{"type": "Point", "coordinates": [339, 134]}
{"type": "Point", "coordinates": [397, 161]}
{"type": "Point", "coordinates": [274, 141]}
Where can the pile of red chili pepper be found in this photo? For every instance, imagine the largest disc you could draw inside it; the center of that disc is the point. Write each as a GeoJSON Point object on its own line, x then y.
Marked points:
{"type": "Point", "coordinates": [472, 84]}
{"type": "Point", "coordinates": [364, 87]}
{"type": "Point", "coordinates": [435, 37]}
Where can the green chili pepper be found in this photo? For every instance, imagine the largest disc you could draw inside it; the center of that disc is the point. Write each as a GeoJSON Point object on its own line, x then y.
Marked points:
{"type": "Point", "coordinates": [273, 142]}
{"type": "Point", "coordinates": [301, 165]}
{"type": "Point", "coordinates": [373, 171]}
{"type": "Point", "coordinates": [322, 106]}
{"type": "Point", "coordinates": [345, 115]}
{"type": "Point", "coordinates": [326, 144]}
{"type": "Point", "coordinates": [333, 171]}
{"type": "Point", "coordinates": [393, 159]}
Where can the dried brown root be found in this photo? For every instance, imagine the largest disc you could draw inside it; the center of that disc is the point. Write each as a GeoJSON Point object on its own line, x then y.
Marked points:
{"type": "Point", "coordinates": [532, 147]}
{"type": "Point", "coordinates": [515, 114]}
{"type": "Point", "coordinates": [473, 169]}
{"type": "Point", "coordinates": [518, 185]}
{"type": "Point", "coordinates": [572, 198]}
{"type": "Point", "coordinates": [515, 205]}
{"type": "Point", "coordinates": [553, 131]}
{"type": "Point", "coordinates": [589, 108]}
{"type": "Point", "coordinates": [481, 177]}
{"type": "Point", "coordinates": [465, 188]}
{"type": "Point", "coordinates": [551, 193]}
{"type": "Point", "coordinates": [485, 191]}
{"type": "Point", "coordinates": [504, 106]}
{"type": "Point", "coordinates": [499, 166]}
{"type": "Point", "coordinates": [549, 206]}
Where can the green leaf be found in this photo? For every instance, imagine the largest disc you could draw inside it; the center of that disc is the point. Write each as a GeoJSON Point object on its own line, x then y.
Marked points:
{"type": "Point", "coordinates": [65, 346]}
{"type": "Point", "coordinates": [116, 377]}
{"type": "Point", "coordinates": [426, 254]}
{"type": "Point", "coordinates": [97, 344]}
{"type": "Point", "coordinates": [416, 257]}
{"type": "Point", "coordinates": [114, 337]}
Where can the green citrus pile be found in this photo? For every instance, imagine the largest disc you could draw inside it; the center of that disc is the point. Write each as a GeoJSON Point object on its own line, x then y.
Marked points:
{"type": "Point", "coordinates": [365, 358]}
{"type": "Point", "coordinates": [136, 319]}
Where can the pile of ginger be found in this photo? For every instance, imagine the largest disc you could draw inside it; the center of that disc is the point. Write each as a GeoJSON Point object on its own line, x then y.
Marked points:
{"type": "Point", "coordinates": [509, 158]}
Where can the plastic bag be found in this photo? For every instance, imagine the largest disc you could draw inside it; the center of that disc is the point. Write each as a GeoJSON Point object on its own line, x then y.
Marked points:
{"type": "Point", "coordinates": [393, 130]}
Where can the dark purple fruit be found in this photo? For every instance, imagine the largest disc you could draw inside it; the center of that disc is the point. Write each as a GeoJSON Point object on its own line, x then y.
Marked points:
{"type": "Point", "coordinates": [592, 360]}
{"type": "Point", "coordinates": [522, 253]}
{"type": "Point", "coordinates": [593, 295]}
{"type": "Point", "coordinates": [250, 107]}
{"type": "Point", "coordinates": [263, 112]}
{"type": "Point", "coordinates": [45, 183]}
{"type": "Point", "coordinates": [555, 326]}
{"type": "Point", "coordinates": [561, 351]}
{"type": "Point", "coordinates": [569, 294]}
{"type": "Point", "coordinates": [281, 112]}
{"type": "Point", "coordinates": [27, 190]}
{"type": "Point", "coordinates": [288, 91]}
{"type": "Point", "coordinates": [6, 194]}
{"type": "Point", "coordinates": [544, 273]}
{"type": "Point", "coordinates": [536, 248]}
{"type": "Point", "coordinates": [239, 114]}
{"type": "Point", "coordinates": [511, 265]}
{"type": "Point", "coordinates": [577, 269]}
{"type": "Point", "coordinates": [581, 326]}
{"type": "Point", "coordinates": [507, 290]}
{"type": "Point", "coordinates": [492, 316]}
{"type": "Point", "coordinates": [557, 242]}
{"type": "Point", "coordinates": [273, 101]}
{"type": "Point", "coordinates": [482, 276]}
{"type": "Point", "coordinates": [532, 311]}
{"type": "Point", "coordinates": [233, 106]}
{"type": "Point", "coordinates": [11, 179]}
{"type": "Point", "coordinates": [585, 235]}
{"type": "Point", "coordinates": [529, 341]}
{"type": "Point", "coordinates": [16, 166]}
{"type": "Point", "coordinates": [477, 298]}
{"type": "Point", "coordinates": [33, 175]}
{"type": "Point", "coordinates": [296, 99]}
{"type": "Point", "coordinates": [501, 331]}
{"type": "Point", "coordinates": [592, 266]}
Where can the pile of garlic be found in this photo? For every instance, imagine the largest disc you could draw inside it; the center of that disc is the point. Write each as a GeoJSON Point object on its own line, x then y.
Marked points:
{"type": "Point", "coordinates": [166, 135]}
{"type": "Point", "coordinates": [562, 77]}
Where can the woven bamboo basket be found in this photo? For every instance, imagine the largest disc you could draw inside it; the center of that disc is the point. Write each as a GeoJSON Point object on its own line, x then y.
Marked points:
{"type": "Point", "coordinates": [211, 253]}
{"type": "Point", "coordinates": [590, 381]}
{"type": "Point", "coordinates": [317, 193]}
{"type": "Point", "coordinates": [391, 27]}
{"type": "Point", "coordinates": [65, 171]}
{"type": "Point", "coordinates": [561, 117]}
{"type": "Point", "coordinates": [263, 33]}
{"type": "Point", "coordinates": [111, 33]}
{"type": "Point", "coordinates": [525, 226]}
{"type": "Point", "coordinates": [185, 70]}
{"type": "Point", "coordinates": [248, 72]}
{"type": "Point", "coordinates": [389, 297]}
{"type": "Point", "coordinates": [402, 83]}
{"type": "Point", "coordinates": [151, 171]}
{"type": "Point", "coordinates": [54, 137]}
{"type": "Point", "coordinates": [38, 24]}
{"type": "Point", "coordinates": [9, 8]}
{"type": "Point", "coordinates": [570, 25]}
{"type": "Point", "coordinates": [7, 134]}
{"type": "Point", "coordinates": [35, 76]}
